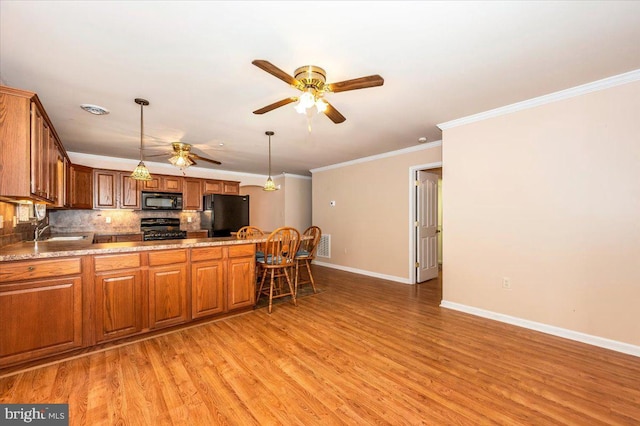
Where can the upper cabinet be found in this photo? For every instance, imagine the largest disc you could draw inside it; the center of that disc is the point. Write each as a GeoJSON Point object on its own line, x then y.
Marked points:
{"type": "Point", "coordinates": [221, 187]}
{"type": "Point", "coordinates": [80, 187]}
{"type": "Point", "coordinates": [160, 183]}
{"type": "Point", "coordinates": [31, 150]}
{"type": "Point", "coordinates": [192, 194]}
{"type": "Point", "coordinates": [115, 190]}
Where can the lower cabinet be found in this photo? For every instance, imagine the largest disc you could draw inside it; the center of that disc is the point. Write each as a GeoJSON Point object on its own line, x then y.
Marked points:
{"type": "Point", "coordinates": [40, 309]}
{"type": "Point", "coordinates": [168, 302]}
{"type": "Point", "coordinates": [222, 279]}
{"type": "Point", "coordinates": [119, 296]}
{"type": "Point", "coordinates": [241, 276]}
{"type": "Point", "coordinates": [47, 309]}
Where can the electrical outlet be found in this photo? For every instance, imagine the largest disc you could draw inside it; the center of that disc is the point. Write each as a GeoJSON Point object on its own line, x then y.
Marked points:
{"type": "Point", "coordinates": [189, 219]}
{"type": "Point", "coordinates": [1, 221]}
{"type": "Point", "coordinates": [506, 282]}
{"type": "Point", "coordinates": [332, 203]}
{"type": "Point", "coordinates": [107, 219]}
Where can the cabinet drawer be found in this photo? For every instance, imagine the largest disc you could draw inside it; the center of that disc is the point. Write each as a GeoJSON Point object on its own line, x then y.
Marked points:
{"type": "Point", "coordinates": [242, 250]}
{"type": "Point", "coordinates": [167, 257]}
{"type": "Point", "coordinates": [40, 269]}
{"type": "Point", "coordinates": [116, 261]}
{"type": "Point", "coordinates": [206, 253]}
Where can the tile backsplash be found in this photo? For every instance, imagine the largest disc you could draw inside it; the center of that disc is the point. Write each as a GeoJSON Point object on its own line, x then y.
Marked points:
{"type": "Point", "coordinates": [114, 221]}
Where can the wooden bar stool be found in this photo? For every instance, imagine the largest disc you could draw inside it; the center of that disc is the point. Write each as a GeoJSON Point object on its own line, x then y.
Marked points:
{"type": "Point", "coordinates": [306, 253]}
{"type": "Point", "coordinates": [279, 253]}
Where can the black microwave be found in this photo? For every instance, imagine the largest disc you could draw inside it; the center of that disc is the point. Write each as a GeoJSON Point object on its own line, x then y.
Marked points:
{"type": "Point", "coordinates": [161, 201]}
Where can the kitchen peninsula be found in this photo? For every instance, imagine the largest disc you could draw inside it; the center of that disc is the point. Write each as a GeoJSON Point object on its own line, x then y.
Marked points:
{"type": "Point", "coordinates": [67, 296]}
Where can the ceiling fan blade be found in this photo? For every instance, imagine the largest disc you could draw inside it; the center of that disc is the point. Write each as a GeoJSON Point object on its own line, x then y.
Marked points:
{"type": "Point", "coordinates": [275, 71]}
{"type": "Point", "coordinates": [333, 114]}
{"type": "Point", "coordinates": [275, 105]}
{"type": "Point", "coordinates": [166, 154]}
{"type": "Point", "coordinates": [204, 159]}
{"type": "Point", "coordinates": [356, 83]}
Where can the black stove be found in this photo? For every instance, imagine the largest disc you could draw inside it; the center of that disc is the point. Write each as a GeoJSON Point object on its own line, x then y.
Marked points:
{"type": "Point", "coordinates": [161, 228]}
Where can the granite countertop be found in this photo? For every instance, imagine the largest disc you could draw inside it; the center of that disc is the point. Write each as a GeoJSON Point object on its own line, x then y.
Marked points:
{"type": "Point", "coordinates": [62, 248]}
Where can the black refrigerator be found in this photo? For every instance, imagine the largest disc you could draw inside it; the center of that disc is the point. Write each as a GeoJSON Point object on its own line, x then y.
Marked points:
{"type": "Point", "coordinates": [228, 213]}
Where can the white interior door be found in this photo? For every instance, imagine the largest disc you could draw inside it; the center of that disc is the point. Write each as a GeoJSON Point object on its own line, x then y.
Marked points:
{"type": "Point", "coordinates": [426, 226]}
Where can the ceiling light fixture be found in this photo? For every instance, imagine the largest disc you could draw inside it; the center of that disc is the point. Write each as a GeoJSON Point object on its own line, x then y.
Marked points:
{"type": "Point", "coordinates": [94, 109]}
{"type": "Point", "coordinates": [141, 172]}
{"type": "Point", "coordinates": [181, 160]}
{"type": "Point", "coordinates": [269, 185]}
{"type": "Point", "coordinates": [313, 78]}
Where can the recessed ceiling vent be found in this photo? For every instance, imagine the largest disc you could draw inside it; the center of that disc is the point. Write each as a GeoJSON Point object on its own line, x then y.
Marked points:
{"type": "Point", "coordinates": [94, 109]}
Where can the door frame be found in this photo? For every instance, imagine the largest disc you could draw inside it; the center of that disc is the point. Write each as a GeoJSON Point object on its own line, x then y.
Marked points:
{"type": "Point", "coordinates": [412, 215]}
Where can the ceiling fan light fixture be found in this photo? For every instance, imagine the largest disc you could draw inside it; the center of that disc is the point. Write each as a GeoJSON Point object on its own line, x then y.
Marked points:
{"type": "Point", "coordinates": [141, 172]}
{"type": "Point", "coordinates": [181, 160]}
{"type": "Point", "coordinates": [321, 105]}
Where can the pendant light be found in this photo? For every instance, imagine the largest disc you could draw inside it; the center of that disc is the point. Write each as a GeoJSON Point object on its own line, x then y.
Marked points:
{"type": "Point", "coordinates": [141, 172]}
{"type": "Point", "coordinates": [269, 185]}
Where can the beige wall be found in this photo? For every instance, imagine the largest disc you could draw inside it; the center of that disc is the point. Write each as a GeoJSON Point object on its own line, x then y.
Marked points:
{"type": "Point", "coordinates": [289, 206]}
{"type": "Point", "coordinates": [369, 226]}
{"type": "Point", "coordinates": [550, 198]}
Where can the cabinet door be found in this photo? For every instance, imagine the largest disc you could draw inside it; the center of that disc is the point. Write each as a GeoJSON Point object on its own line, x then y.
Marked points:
{"type": "Point", "coordinates": [40, 317]}
{"type": "Point", "coordinates": [241, 280]}
{"type": "Point", "coordinates": [104, 189]}
{"type": "Point", "coordinates": [212, 187]}
{"type": "Point", "coordinates": [80, 187]}
{"type": "Point", "coordinates": [152, 185]}
{"type": "Point", "coordinates": [172, 183]}
{"type": "Point", "coordinates": [129, 192]}
{"type": "Point", "coordinates": [37, 150]}
{"type": "Point", "coordinates": [118, 304]}
{"type": "Point", "coordinates": [192, 194]}
{"type": "Point", "coordinates": [207, 288]}
{"type": "Point", "coordinates": [167, 295]}
{"type": "Point", "coordinates": [229, 187]}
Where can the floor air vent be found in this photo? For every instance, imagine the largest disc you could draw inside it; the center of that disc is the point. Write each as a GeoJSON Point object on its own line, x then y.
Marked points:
{"type": "Point", "coordinates": [324, 246]}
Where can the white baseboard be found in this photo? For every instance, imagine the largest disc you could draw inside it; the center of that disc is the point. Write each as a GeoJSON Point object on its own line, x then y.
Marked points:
{"type": "Point", "coordinates": [545, 328]}
{"type": "Point", "coordinates": [363, 272]}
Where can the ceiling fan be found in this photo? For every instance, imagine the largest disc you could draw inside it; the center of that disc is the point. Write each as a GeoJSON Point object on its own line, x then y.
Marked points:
{"type": "Point", "coordinates": [311, 80]}
{"type": "Point", "coordinates": [181, 155]}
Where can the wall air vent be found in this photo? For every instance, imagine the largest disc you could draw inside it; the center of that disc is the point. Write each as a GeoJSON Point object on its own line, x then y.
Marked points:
{"type": "Point", "coordinates": [324, 246]}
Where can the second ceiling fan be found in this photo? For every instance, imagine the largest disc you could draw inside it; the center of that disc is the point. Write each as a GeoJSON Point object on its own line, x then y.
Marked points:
{"type": "Point", "coordinates": [311, 80]}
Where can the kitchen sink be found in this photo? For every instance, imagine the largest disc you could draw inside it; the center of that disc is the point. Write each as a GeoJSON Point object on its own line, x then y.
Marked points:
{"type": "Point", "coordinates": [71, 238]}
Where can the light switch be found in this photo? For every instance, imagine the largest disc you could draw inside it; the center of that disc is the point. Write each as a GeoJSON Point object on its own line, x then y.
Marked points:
{"type": "Point", "coordinates": [107, 219]}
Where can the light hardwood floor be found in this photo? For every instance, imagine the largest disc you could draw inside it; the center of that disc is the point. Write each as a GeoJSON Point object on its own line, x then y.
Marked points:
{"type": "Point", "coordinates": [364, 351]}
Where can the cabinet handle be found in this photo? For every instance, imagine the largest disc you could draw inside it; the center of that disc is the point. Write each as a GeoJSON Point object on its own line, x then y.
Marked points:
{"type": "Point", "coordinates": [31, 268]}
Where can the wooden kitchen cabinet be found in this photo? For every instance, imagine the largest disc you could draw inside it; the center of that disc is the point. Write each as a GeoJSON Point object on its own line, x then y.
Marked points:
{"type": "Point", "coordinates": [222, 279]}
{"type": "Point", "coordinates": [207, 282]}
{"type": "Point", "coordinates": [241, 276]}
{"type": "Point", "coordinates": [221, 187]}
{"type": "Point", "coordinates": [40, 309]}
{"type": "Point", "coordinates": [168, 302]}
{"type": "Point", "coordinates": [115, 190]}
{"type": "Point", "coordinates": [161, 183]}
{"type": "Point", "coordinates": [192, 194]}
{"type": "Point", "coordinates": [80, 187]}
{"type": "Point", "coordinates": [119, 295]}
{"type": "Point", "coordinates": [29, 148]}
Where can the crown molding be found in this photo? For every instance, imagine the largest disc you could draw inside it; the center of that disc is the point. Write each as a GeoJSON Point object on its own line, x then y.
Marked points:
{"type": "Point", "coordinates": [420, 147]}
{"type": "Point", "coordinates": [605, 83]}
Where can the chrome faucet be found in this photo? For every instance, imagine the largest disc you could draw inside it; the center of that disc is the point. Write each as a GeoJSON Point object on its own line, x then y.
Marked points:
{"type": "Point", "coordinates": [38, 232]}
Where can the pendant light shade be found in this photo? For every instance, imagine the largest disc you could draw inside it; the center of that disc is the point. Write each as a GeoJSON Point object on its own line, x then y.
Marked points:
{"type": "Point", "coordinates": [269, 185]}
{"type": "Point", "coordinates": [141, 172]}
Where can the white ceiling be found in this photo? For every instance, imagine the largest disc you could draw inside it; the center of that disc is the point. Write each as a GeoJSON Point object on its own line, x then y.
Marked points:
{"type": "Point", "coordinates": [192, 61]}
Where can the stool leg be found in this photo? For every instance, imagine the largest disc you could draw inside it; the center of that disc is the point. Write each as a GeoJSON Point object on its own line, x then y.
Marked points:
{"type": "Point", "coordinates": [271, 292]}
{"type": "Point", "coordinates": [313, 284]}
{"type": "Point", "coordinates": [293, 295]}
